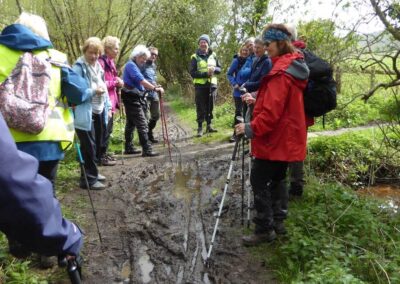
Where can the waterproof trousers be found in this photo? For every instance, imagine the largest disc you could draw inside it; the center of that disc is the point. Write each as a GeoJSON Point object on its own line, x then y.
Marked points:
{"type": "Point", "coordinates": [136, 118]}
{"type": "Point", "coordinates": [266, 177]}
{"type": "Point", "coordinates": [205, 97]}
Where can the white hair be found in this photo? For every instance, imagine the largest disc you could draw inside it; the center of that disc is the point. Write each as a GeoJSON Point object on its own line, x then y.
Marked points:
{"type": "Point", "coordinates": [249, 40]}
{"type": "Point", "coordinates": [139, 50]}
{"type": "Point", "coordinates": [292, 30]}
{"type": "Point", "coordinates": [35, 23]}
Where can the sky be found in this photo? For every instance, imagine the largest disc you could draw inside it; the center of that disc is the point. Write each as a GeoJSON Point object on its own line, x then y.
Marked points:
{"type": "Point", "coordinates": [315, 9]}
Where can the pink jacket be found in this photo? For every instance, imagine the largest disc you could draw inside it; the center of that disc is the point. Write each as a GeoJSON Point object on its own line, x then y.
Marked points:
{"type": "Point", "coordinates": [110, 75]}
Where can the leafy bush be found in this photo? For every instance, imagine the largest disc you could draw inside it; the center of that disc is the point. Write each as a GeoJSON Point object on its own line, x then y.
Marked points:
{"type": "Point", "coordinates": [352, 158]}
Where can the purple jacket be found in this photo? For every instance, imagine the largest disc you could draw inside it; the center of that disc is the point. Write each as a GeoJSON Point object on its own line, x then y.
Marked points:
{"type": "Point", "coordinates": [110, 75]}
{"type": "Point", "coordinates": [29, 213]}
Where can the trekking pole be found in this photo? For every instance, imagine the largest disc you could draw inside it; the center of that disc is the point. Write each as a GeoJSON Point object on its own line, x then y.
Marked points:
{"type": "Point", "coordinates": [248, 190]}
{"type": "Point", "coordinates": [122, 120]}
{"type": "Point", "coordinates": [74, 268]}
{"type": "Point", "coordinates": [82, 164]}
{"type": "Point", "coordinates": [243, 181]}
{"type": "Point", "coordinates": [228, 179]}
{"type": "Point", "coordinates": [164, 127]}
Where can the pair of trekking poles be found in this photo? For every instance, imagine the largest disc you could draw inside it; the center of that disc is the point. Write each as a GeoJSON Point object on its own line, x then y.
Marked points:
{"type": "Point", "coordinates": [236, 150]}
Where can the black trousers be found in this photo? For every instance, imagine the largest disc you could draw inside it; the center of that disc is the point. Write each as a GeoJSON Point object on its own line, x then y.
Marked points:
{"type": "Point", "coordinates": [204, 97]}
{"type": "Point", "coordinates": [266, 177]}
{"type": "Point", "coordinates": [135, 118]}
{"type": "Point", "coordinates": [100, 129]}
{"type": "Point", "coordinates": [107, 134]}
{"type": "Point", "coordinates": [87, 147]}
{"type": "Point", "coordinates": [238, 109]}
{"type": "Point", "coordinates": [48, 169]}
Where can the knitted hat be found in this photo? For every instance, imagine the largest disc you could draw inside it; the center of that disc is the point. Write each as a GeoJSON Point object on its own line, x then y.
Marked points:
{"type": "Point", "coordinates": [204, 37]}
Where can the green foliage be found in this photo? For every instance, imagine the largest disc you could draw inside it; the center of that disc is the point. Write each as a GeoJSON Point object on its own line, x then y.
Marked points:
{"type": "Point", "coordinates": [15, 271]}
{"type": "Point", "coordinates": [335, 236]}
{"type": "Point", "coordinates": [353, 158]}
{"type": "Point", "coordinates": [321, 38]}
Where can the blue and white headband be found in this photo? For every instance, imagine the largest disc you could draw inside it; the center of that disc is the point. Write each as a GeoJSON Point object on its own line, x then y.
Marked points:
{"type": "Point", "coordinates": [274, 35]}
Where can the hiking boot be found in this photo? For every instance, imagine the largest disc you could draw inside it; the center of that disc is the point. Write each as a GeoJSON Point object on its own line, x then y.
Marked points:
{"type": "Point", "coordinates": [106, 162]}
{"type": "Point", "coordinates": [279, 228]}
{"type": "Point", "coordinates": [199, 132]}
{"type": "Point", "coordinates": [110, 156]}
{"type": "Point", "coordinates": [150, 153]}
{"type": "Point", "coordinates": [101, 177]}
{"type": "Point", "coordinates": [152, 139]}
{"type": "Point", "coordinates": [210, 129]}
{"type": "Point", "coordinates": [256, 239]}
{"type": "Point", "coordinates": [46, 262]}
{"type": "Point", "coordinates": [96, 186]}
{"type": "Point", "coordinates": [132, 151]}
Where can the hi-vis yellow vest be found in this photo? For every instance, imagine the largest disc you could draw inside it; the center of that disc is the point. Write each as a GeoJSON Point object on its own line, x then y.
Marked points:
{"type": "Point", "coordinates": [60, 122]}
{"type": "Point", "coordinates": [202, 66]}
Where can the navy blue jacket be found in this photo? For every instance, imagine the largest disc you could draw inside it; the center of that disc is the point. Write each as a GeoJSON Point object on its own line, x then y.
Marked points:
{"type": "Point", "coordinates": [29, 213]}
{"type": "Point", "coordinates": [261, 67]}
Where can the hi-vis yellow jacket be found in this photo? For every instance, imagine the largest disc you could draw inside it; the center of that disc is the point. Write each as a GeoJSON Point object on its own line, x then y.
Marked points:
{"type": "Point", "coordinates": [60, 124]}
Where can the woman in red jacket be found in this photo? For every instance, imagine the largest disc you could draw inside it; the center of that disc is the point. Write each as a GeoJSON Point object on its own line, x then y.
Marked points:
{"type": "Point", "coordinates": [277, 131]}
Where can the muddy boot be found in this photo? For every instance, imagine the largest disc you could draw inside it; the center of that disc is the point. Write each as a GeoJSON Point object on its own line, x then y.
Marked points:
{"type": "Point", "coordinates": [279, 228]}
{"type": "Point", "coordinates": [210, 129]}
{"type": "Point", "coordinates": [257, 239]}
{"type": "Point", "coordinates": [151, 138]}
{"type": "Point", "coordinates": [130, 150]}
{"type": "Point", "coordinates": [146, 145]}
{"type": "Point", "coordinates": [46, 262]}
{"type": "Point", "coordinates": [152, 125]}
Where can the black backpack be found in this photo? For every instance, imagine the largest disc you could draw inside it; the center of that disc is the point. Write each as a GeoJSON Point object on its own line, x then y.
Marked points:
{"type": "Point", "coordinates": [320, 93]}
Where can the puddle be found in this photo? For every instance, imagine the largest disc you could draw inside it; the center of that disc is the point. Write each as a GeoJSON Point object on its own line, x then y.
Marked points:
{"type": "Point", "coordinates": [390, 195]}
{"type": "Point", "coordinates": [186, 183]}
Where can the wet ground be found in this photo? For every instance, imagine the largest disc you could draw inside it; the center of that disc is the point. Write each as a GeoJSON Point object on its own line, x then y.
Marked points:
{"type": "Point", "coordinates": [156, 219]}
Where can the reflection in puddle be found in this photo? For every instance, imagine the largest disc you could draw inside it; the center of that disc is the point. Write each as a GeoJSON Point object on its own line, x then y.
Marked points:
{"type": "Point", "coordinates": [146, 266]}
{"type": "Point", "coordinates": [389, 194]}
{"type": "Point", "coordinates": [185, 184]}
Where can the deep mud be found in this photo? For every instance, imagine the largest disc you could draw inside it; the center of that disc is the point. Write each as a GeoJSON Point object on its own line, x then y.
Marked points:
{"type": "Point", "coordinates": [156, 219]}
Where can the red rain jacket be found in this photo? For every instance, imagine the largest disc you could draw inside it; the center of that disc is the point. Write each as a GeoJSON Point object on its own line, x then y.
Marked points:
{"type": "Point", "coordinates": [278, 125]}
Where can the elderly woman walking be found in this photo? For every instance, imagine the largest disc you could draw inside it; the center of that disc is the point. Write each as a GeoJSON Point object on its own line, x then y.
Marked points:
{"type": "Point", "coordinates": [111, 50]}
{"type": "Point", "coordinates": [277, 131]}
{"type": "Point", "coordinates": [133, 93]}
{"type": "Point", "coordinates": [98, 109]}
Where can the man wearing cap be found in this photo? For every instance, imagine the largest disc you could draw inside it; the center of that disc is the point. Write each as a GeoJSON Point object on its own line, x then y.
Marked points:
{"type": "Point", "coordinates": [204, 66]}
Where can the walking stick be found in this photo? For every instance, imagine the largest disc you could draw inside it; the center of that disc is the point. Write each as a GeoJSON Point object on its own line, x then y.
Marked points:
{"type": "Point", "coordinates": [164, 127]}
{"type": "Point", "coordinates": [242, 181]}
{"type": "Point", "coordinates": [73, 265]}
{"type": "Point", "coordinates": [122, 120]}
{"type": "Point", "coordinates": [228, 179]}
{"type": "Point", "coordinates": [82, 163]}
{"type": "Point", "coordinates": [248, 190]}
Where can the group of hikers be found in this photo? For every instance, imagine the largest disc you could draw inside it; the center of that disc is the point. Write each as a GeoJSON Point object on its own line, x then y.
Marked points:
{"type": "Point", "coordinates": [268, 77]}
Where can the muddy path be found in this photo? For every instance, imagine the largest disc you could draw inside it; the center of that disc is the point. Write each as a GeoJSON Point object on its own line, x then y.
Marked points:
{"type": "Point", "coordinates": [156, 219]}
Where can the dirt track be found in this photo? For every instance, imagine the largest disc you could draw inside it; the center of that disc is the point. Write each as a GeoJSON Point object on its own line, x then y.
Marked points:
{"type": "Point", "coordinates": [156, 219]}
